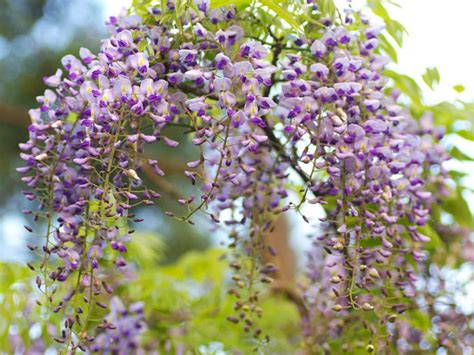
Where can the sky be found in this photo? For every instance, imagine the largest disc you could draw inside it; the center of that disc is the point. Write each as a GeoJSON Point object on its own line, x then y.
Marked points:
{"type": "Point", "coordinates": [439, 35]}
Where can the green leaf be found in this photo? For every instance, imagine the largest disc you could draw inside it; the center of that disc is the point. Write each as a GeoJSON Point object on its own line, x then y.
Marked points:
{"type": "Point", "coordinates": [457, 154]}
{"type": "Point", "coordinates": [456, 175]}
{"type": "Point", "coordinates": [71, 117]}
{"type": "Point", "coordinates": [327, 7]}
{"type": "Point", "coordinates": [469, 135]}
{"type": "Point", "coordinates": [221, 3]}
{"type": "Point", "coordinates": [396, 30]}
{"type": "Point", "coordinates": [142, 46]}
{"type": "Point", "coordinates": [394, 3]}
{"type": "Point", "coordinates": [459, 88]}
{"type": "Point", "coordinates": [379, 10]}
{"type": "Point", "coordinates": [436, 243]}
{"type": "Point", "coordinates": [431, 77]}
{"type": "Point", "coordinates": [407, 85]}
{"type": "Point", "coordinates": [282, 13]}
{"type": "Point", "coordinates": [193, 6]}
{"type": "Point", "coordinates": [140, 7]}
{"type": "Point", "coordinates": [418, 319]}
{"type": "Point", "coordinates": [370, 242]}
{"type": "Point", "coordinates": [457, 206]}
{"type": "Point", "coordinates": [140, 3]}
{"type": "Point", "coordinates": [388, 48]}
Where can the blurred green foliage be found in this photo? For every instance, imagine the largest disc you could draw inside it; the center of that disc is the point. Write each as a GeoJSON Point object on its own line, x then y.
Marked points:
{"type": "Point", "coordinates": [186, 304]}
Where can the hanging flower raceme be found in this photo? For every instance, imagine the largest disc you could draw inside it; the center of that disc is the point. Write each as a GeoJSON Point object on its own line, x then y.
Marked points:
{"type": "Point", "coordinates": [121, 329]}
{"type": "Point", "coordinates": [319, 109]}
{"type": "Point", "coordinates": [373, 163]}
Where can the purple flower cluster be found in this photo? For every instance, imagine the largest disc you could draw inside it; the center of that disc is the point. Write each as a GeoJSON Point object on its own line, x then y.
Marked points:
{"type": "Point", "coordinates": [122, 328]}
{"type": "Point", "coordinates": [377, 165]}
{"type": "Point", "coordinates": [319, 108]}
{"type": "Point", "coordinates": [355, 146]}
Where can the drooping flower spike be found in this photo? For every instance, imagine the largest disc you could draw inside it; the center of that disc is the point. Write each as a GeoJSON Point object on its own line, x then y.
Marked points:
{"type": "Point", "coordinates": [317, 107]}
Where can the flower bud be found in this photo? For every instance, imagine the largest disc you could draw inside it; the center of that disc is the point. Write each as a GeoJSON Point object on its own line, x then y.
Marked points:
{"type": "Point", "coordinates": [367, 306]}
{"type": "Point", "coordinates": [305, 159]}
{"type": "Point", "coordinates": [341, 114]}
{"type": "Point", "coordinates": [57, 124]}
{"type": "Point", "coordinates": [387, 194]}
{"type": "Point", "coordinates": [41, 157]}
{"type": "Point", "coordinates": [338, 246]}
{"type": "Point", "coordinates": [335, 279]}
{"type": "Point", "coordinates": [374, 273]}
{"type": "Point", "coordinates": [336, 120]}
{"type": "Point", "coordinates": [337, 308]}
{"type": "Point", "coordinates": [132, 174]}
{"type": "Point", "coordinates": [235, 265]}
{"type": "Point", "coordinates": [233, 319]}
{"type": "Point", "coordinates": [266, 279]}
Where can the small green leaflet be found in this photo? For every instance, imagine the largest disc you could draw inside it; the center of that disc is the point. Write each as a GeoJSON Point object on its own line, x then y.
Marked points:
{"type": "Point", "coordinates": [71, 117]}
{"type": "Point", "coordinates": [431, 77]}
{"type": "Point", "coordinates": [459, 88]}
{"type": "Point", "coordinates": [387, 47]}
